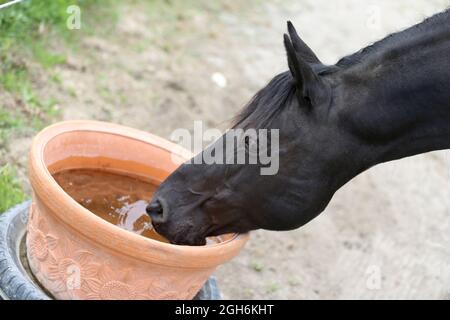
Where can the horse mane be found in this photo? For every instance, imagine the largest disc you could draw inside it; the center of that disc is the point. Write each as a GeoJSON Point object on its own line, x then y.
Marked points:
{"type": "Point", "coordinates": [271, 99]}
{"type": "Point", "coordinates": [391, 41]}
{"type": "Point", "coordinates": [266, 103]}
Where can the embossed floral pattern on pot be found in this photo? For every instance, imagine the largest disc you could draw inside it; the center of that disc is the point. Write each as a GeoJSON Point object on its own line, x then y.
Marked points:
{"type": "Point", "coordinates": [40, 243]}
{"type": "Point", "coordinates": [117, 285]}
{"type": "Point", "coordinates": [72, 270]}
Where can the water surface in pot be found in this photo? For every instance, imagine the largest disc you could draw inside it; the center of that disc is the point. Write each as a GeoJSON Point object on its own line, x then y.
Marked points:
{"type": "Point", "coordinates": [117, 198]}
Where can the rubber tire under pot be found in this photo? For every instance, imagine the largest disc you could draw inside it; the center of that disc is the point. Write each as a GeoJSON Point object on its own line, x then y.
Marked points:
{"type": "Point", "coordinates": [16, 281]}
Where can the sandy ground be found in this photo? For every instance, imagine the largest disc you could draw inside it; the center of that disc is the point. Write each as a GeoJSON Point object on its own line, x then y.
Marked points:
{"type": "Point", "coordinates": [386, 234]}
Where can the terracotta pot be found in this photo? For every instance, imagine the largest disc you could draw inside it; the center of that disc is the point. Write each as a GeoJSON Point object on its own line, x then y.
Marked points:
{"type": "Point", "coordinates": [76, 255]}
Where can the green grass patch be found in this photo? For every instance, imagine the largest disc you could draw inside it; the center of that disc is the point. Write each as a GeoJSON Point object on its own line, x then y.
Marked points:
{"type": "Point", "coordinates": [257, 266]}
{"type": "Point", "coordinates": [9, 122]}
{"type": "Point", "coordinates": [38, 31]}
{"type": "Point", "coordinates": [272, 287]}
{"type": "Point", "coordinates": [27, 29]}
{"type": "Point", "coordinates": [45, 57]}
{"type": "Point", "coordinates": [13, 76]}
{"type": "Point", "coordinates": [11, 192]}
{"type": "Point", "coordinates": [25, 20]}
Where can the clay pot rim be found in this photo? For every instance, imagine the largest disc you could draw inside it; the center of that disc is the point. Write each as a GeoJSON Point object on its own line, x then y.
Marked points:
{"type": "Point", "coordinates": [127, 243]}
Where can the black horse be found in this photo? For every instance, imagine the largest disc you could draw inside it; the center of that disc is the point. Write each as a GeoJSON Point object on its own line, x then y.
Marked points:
{"type": "Point", "coordinates": [387, 101]}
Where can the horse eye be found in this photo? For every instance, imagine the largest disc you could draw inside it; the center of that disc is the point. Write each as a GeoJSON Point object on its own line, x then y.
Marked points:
{"type": "Point", "coordinates": [307, 99]}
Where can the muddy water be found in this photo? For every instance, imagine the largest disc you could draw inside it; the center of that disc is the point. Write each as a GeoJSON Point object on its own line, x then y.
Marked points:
{"type": "Point", "coordinates": [119, 199]}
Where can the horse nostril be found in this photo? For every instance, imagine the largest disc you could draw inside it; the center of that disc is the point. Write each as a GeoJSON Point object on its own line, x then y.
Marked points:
{"type": "Point", "coordinates": [154, 207]}
{"type": "Point", "coordinates": [155, 211]}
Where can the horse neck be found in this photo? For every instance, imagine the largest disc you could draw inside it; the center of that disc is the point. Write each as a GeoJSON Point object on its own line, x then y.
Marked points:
{"type": "Point", "coordinates": [401, 98]}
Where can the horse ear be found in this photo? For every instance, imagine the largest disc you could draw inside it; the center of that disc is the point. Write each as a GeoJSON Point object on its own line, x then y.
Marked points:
{"type": "Point", "coordinates": [300, 60]}
{"type": "Point", "coordinates": [300, 46]}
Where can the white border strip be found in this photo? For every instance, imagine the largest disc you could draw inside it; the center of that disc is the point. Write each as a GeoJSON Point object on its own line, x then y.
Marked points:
{"type": "Point", "coordinates": [5, 5]}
